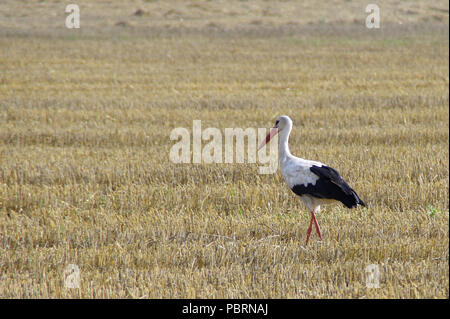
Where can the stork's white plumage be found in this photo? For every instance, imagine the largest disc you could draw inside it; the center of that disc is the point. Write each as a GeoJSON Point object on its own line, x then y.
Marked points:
{"type": "Point", "coordinates": [313, 182]}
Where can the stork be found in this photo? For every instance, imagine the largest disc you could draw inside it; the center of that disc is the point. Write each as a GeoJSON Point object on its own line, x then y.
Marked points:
{"type": "Point", "coordinates": [313, 182]}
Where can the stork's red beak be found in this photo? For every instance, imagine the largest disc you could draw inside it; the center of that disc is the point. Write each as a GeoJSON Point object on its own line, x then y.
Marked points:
{"type": "Point", "coordinates": [271, 134]}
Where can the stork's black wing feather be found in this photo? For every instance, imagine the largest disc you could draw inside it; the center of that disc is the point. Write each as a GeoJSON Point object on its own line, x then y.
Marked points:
{"type": "Point", "coordinates": [330, 185]}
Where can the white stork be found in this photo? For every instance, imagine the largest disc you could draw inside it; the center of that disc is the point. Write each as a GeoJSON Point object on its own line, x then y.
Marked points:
{"type": "Point", "coordinates": [313, 182]}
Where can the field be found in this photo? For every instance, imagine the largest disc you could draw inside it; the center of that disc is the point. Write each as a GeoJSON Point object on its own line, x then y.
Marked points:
{"type": "Point", "coordinates": [85, 175]}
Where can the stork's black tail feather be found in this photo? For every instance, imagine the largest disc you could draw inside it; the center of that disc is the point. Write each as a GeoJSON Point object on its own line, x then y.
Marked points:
{"type": "Point", "coordinates": [358, 200]}
{"type": "Point", "coordinates": [332, 185]}
{"type": "Point", "coordinates": [351, 199]}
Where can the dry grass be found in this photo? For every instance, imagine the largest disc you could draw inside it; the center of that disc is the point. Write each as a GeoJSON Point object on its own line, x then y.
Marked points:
{"type": "Point", "coordinates": [85, 176]}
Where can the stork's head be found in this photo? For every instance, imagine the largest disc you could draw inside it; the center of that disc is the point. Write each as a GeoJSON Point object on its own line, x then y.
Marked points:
{"type": "Point", "coordinates": [284, 122]}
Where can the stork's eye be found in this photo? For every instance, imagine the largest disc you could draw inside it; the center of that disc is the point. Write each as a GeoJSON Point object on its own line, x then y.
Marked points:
{"type": "Point", "coordinates": [276, 123]}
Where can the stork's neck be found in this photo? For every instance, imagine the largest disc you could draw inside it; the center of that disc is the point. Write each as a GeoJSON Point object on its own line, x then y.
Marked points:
{"type": "Point", "coordinates": [283, 152]}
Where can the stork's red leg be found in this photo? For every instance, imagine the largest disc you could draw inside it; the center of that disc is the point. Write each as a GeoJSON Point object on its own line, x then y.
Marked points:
{"type": "Point", "coordinates": [317, 225]}
{"type": "Point", "coordinates": [308, 233]}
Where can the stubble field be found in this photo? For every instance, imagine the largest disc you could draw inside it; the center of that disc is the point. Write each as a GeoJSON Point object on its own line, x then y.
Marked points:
{"type": "Point", "coordinates": [85, 175]}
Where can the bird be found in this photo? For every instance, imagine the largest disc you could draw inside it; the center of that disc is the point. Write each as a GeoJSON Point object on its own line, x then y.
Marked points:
{"type": "Point", "coordinates": [313, 182]}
